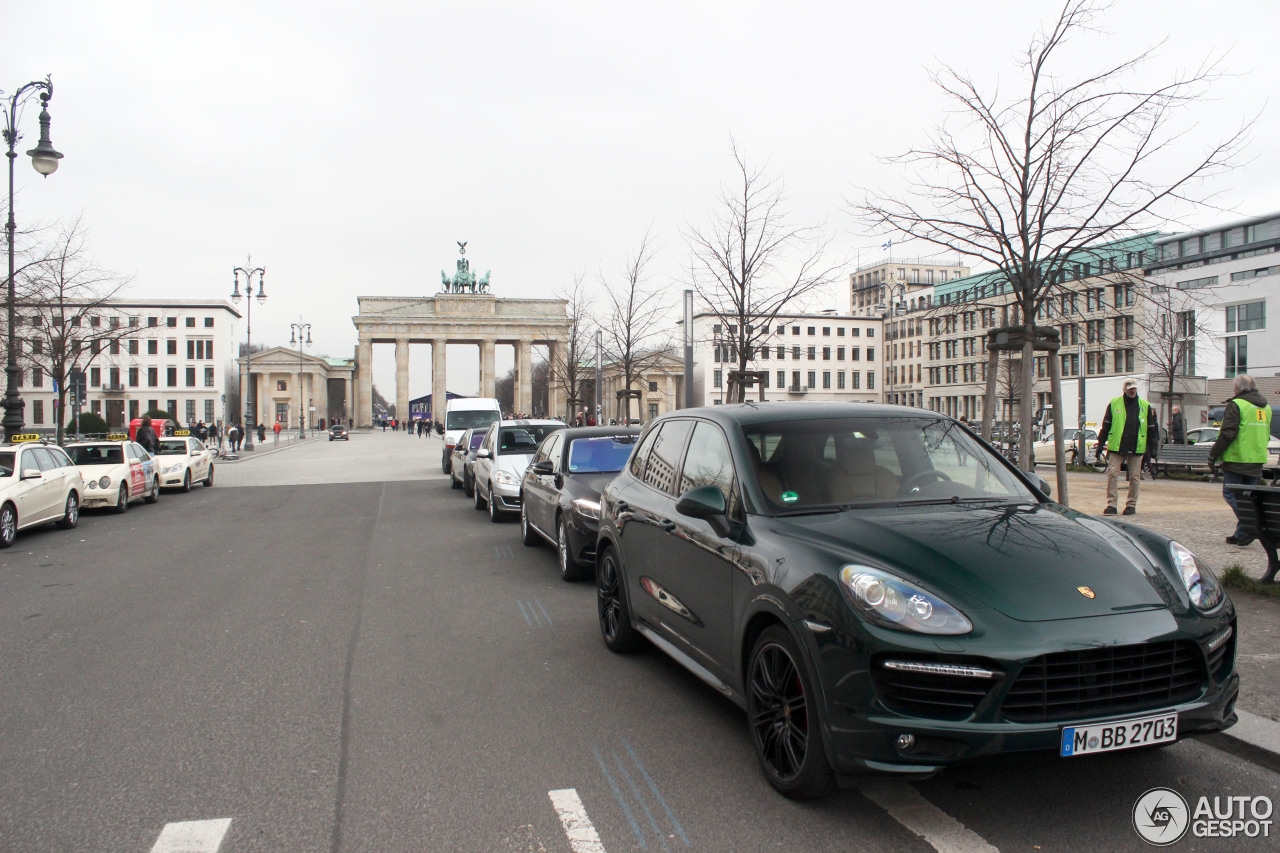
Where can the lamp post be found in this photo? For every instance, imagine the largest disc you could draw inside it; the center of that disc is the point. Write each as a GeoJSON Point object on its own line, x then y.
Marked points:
{"type": "Point", "coordinates": [45, 160]}
{"type": "Point", "coordinates": [249, 270]}
{"type": "Point", "coordinates": [296, 331]}
{"type": "Point", "coordinates": [891, 312]}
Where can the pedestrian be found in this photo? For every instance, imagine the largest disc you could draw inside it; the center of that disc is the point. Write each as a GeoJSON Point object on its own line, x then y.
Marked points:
{"type": "Point", "coordinates": [212, 439]}
{"type": "Point", "coordinates": [1128, 428]}
{"type": "Point", "coordinates": [202, 431]}
{"type": "Point", "coordinates": [275, 429]}
{"type": "Point", "coordinates": [233, 437]}
{"type": "Point", "coordinates": [1177, 427]}
{"type": "Point", "coordinates": [1241, 446]}
{"type": "Point", "coordinates": [146, 436]}
{"type": "Point", "coordinates": [262, 433]}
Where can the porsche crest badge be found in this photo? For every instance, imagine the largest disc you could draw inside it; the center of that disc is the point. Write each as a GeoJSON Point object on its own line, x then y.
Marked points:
{"type": "Point", "coordinates": [1085, 591]}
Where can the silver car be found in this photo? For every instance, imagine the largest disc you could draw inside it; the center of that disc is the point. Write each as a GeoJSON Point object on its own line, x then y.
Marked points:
{"type": "Point", "coordinates": [507, 449]}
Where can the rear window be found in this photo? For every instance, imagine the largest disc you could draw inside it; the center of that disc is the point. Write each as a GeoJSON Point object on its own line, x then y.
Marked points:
{"type": "Point", "coordinates": [473, 419]}
{"type": "Point", "coordinates": [600, 454]}
{"type": "Point", "coordinates": [173, 447]}
{"type": "Point", "coordinates": [106, 454]}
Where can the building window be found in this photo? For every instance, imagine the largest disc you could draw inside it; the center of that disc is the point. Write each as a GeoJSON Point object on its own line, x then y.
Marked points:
{"type": "Point", "coordinates": [208, 322]}
{"type": "Point", "coordinates": [840, 331]}
{"type": "Point", "coordinates": [37, 411]}
{"type": "Point", "coordinates": [1237, 355]}
{"type": "Point", "coordinates": [1249, 317]}
{"type": "Point", "coordinates": [133, 377]}
{"type": "Point", "coordinates": [208, 411]}
{"type": "Point", "coordinates": [114, 349]}
{"type": "Point", "coordinates": [153, 376]}
{"type": "Point", "coordinates": [37, 378]}
{"type": "Point", "coordinates": [153, 321]}
{"type": "Point", "coordinates": [133, 346]}
{"type": "Point", "coordinates": [133, 322]}
{"type": "Point", "coordinates": [208, 377]}
{"type": "Point", "coordinates": [171, 322]}
{"type": "Point", "coordinates": [826, 379]}
{"type": "Point", "coordinates": [782, 379]}
{"type": "Point", "coordinates": [855, 380]}
{"type": "Point", "coordinates": [826, 353]}
{"type": "Point", "coordinates": [840, 380]}
{"type": "Point", "coordinates": [795, 330]}
{"type": "Point", "coordinates": [812, 331]}
{"type": "Point", "coordinates": [826, 331]}
{"type": "Point", "coordinates": [171, 406]}
{"type": "Point", "coordinates": [283, 384]}
{"type": "Point", "coordinates": [812, 353]}
{"type": "Point", "coordinates": [171, 376]}
{"type": "Point", "coordinates": [191, 322]}
{"type": "Point", "coordinates": [795, 353]}
{"type": "Point", "coordinates": [115, 377]}
{"type": "Point", "coordinates": [653, 386]}
{"type": "Point", "coordinates": [191, 377]}
{"type": "Point", "coordinates": [95, 376]}
{"type": "Point", "coordinates": [171, 346]}
{"type": "Point", "coordinates": [153, 347]}
{"type": "Point", "coordinates": [717, 379]}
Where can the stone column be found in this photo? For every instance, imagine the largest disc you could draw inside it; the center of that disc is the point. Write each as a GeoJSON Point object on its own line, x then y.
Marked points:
{"type": "Point", "coordinates": [524, 377]}
{"type": "Point", "coordinates": [439, 390]}
{"type": "Point", "coordinates": [361, 408]}
{"type": "Point", "coordinates": [263, 411]}
{"type": "Point", "coordinates": [554, 406]}
{"type": "Point", "coordinates": [488, 374]}
{"type": "Point", "coordinates": [295, 382]}
{"type": "Point", "coordinates": [347, 401]}
{"type": "Point", "coordinates": [402, 379]}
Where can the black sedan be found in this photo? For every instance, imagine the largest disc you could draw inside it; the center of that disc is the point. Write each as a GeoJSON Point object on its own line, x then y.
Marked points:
{"type": "Point", "coordinates": [338, 431]}
{"type": "Point", "coordinates": [560, 491]}
{"type": "Point", "coordinates": [883, 593]}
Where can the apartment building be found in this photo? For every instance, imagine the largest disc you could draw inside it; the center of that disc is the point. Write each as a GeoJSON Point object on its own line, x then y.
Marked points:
{"type": "Point", "coordinates": [822, 356]}
{"type": "Point", "coordinates": [172, 354]}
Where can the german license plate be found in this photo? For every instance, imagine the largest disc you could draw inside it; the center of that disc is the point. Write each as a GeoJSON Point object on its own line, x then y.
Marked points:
{"type": "Point", "coordinates": [1121, 734]}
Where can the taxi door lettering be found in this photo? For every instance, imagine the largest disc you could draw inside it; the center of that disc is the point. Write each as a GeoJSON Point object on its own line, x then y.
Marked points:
{"type": "Point", "coordinates": [135, 479]}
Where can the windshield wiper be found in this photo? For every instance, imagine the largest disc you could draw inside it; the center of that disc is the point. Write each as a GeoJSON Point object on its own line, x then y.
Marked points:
{"type": "Point", "coordinates": [826, 509]}
{"type": "Point", "coordinates": [954, 499]}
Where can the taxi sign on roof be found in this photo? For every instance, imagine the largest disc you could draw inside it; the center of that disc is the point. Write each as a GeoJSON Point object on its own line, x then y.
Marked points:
{"type": "Point", "coordinates": [182, 432]}
{"type": "Point", "coordinates": [26, 436]}
{"type": "Point", "coordinates": [117, 436]}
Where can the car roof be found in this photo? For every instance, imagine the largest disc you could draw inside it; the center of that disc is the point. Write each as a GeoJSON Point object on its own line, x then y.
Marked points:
{"type": "Point", "coordinates": [763, 413]}
{"type": "Point", "coordinates": [529, 422]}
{"type": "Point", "coordinates": [571, 433]}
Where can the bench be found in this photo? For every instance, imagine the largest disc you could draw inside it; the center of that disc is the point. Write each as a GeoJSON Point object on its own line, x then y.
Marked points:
{"type": "Point", "coordinates": [1188, 456]}
{"type": "Point", "coordinates": [1259, 508]}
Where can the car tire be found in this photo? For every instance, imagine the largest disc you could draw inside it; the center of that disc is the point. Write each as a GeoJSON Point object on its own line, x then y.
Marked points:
{"type": "Point", "coordinates": [122, 498]}
{"type": "Point", "coordinates": [616, 630]}
{"type": "Point", "coordinates": [445, 466]}
{"type": "Point", "coordinates": [71, 515]}
{"type": "Point", "coordinates": [495, 515]}
{"type": "Point", "coordinates": [571, 569]}
{"type": "Point", "coordinates": [8, 525]}
{"type": "Point", "coordinates": [468, 487]}
{"type": "Point", "coordinates": [186, 481]}
{"type": "Point", "coordinates": [476, 501]}
{"type": "Point", "coordinates": [783, 716]}
{"type": "Point", "coordinates": [155, 491]}
{"type": "Point", "coordinates": [208, 480]}
{"type": "Point", "coordinates": [528, 535]}
{"type": "Point", "coordinates": [453, 482]}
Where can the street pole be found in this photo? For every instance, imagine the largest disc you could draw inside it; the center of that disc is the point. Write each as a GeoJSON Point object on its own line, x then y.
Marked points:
{"type": "Point", "coordinates": [249, 270]}
{"type": "Point", "coordinates": [45, 160]}
{"type": "Point", "coordinates": [296, 330]}
{"type": "Point", "coordinates": [599, 391]}
{"type": "Point", "coordinates": [688, 349]}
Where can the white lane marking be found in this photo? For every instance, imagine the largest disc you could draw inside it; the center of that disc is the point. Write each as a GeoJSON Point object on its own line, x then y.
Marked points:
{"type": "Point", "coordinates": [940, 830]}
{"type": "Point", "coordinates": [192, 836]}
{"type": "Point", "coordinates": [573, 817]}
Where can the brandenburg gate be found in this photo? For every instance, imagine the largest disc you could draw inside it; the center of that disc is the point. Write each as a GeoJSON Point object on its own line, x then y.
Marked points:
{"type": "Point", "coordinates": [462, 312]}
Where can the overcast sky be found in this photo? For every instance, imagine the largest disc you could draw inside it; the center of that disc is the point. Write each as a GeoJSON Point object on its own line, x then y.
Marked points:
{"type": "Point", "coordinates": [348, 146]}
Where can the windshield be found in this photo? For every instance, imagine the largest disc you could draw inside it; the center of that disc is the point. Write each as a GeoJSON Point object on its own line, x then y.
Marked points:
{"type": "Point", "coordinates": [599, 454]}
{"type": "Point", "coordinates": [473, 419]}
{"type": "Point", "coordinates": [97, 454]}
{"type": "Point", "coordinates": [173, 447]}
{"type": "Point", "coordinates": [525, 438]}
{"type": "Point", "coordinates": [876, 461]}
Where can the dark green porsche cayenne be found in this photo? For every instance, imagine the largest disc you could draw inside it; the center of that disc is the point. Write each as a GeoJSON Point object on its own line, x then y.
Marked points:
{"type": "Point", "coordinates": [883, 593]}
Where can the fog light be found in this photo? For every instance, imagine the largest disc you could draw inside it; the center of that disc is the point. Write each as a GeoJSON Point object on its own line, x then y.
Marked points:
{"type": "Point", "coordinates": [906, 742]}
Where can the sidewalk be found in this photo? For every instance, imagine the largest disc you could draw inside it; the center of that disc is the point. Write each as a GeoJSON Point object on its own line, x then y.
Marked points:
{"type": "Point", "coordinates": [265, 448]}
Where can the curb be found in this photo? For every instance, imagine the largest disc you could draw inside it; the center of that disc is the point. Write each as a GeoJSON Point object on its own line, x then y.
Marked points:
{"type": "Point", "coordinates": [1253, 738]}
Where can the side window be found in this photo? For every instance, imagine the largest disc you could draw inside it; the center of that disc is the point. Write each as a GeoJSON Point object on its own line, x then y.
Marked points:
{"type": "Point", "coordinates": [60, 457]}
{"type": "Point", "coordinates": [42, 459]}
{"type": "Point", "coordinates": [193, 444]}
{"type": "Point", "coordinates": [140, 452]}
{"type": "Point", "coordinates": [664, 459]}
{"type": "Point", "coordinates": [708, 461]}
{"type": "Point", "coordinates": [555, 450]}
{"type": "Point", "coordinates": [636, 466]}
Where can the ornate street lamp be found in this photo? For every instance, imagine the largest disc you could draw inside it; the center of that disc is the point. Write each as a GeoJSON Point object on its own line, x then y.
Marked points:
{"type": "Point", "coordinates": [249, 270]}
{"type": "Point", "coordinates": [45, 160]}
{"type": "Point", "coordinates": [296, 331]}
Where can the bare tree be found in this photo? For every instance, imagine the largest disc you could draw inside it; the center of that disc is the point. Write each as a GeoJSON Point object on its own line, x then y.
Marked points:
{"type": "Point", "coordinates": [64, 309]}
{"type": "Point", "coordinates": [636, 327]}
{"type": "Point", "coordinates": [572, 364]}
{"type": "Point", "coordinates": [1170, 325]}
{"type": "Point", "coordinates": [737, 270]}
{"type": "Point", "coordinates": [1033, 180]}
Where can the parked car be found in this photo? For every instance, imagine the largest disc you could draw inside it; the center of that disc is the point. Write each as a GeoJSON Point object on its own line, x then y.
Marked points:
{"type": "Point", "coordinates": [463, 413]}
{"type": "Point", "coordinates": [1205, 435]}
{"type": "Point", "coordinates": [462, 460]}
{"type": "Point", "coordinates": [183, 459]}
{"type": "Point", "coordinates": [560, 494]}
{"type": "Point", "coordinates": [116, 471]}
{"type": "Point", "coordinates": [505, 452]}
{"type": "Point", "coordinates": [39, 484]}
{"type": "Point", "coordinates": [880, 592]}
{"type": "Point", "coordinates": [338, 432]}
{"type": "Point", "coordinates": [1043, 451]}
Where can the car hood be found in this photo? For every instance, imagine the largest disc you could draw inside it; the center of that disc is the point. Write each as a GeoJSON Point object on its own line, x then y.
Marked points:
{"type": "Point", "coordinates": [514, 463]}
{"type": "Point", "coordinates": [588, 485]}
{"type": "Point", "coordinates": [1030, 562]}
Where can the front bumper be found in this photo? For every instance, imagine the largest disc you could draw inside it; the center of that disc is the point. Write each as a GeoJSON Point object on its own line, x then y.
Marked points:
{"type": "Point", "coordinates": [94, 497]}
{"type": "Point", "coordinates": [506, 498]}
{"type": "Point", "coordinates": [174, 479]}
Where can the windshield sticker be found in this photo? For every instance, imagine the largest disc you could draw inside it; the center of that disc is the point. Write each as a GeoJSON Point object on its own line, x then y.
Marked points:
{"type": "Point", "coordinates": [790, 497]}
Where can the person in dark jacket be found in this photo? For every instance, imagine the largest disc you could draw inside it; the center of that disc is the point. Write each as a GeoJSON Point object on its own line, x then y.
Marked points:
{"type": "Point", "coordinates": [262, 433]}
{"type": "Point", "coordinates": [1241, 447]}
{"type": "Point", "coordinates": [1177, 427]}
{"type": "Point", "coordinates": [1129, 428]}
{"type": "Point", "coordinates": [146, 436]}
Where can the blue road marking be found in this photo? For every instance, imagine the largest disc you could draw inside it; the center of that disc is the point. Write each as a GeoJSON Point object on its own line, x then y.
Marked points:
{"type": "Point", "coordinates": [626, 810]}
{"type": "Point", "coordinates": [653, 824]}
{"type": "Point", "coordinates": [525, 614]}
{"type": "Point", "coordinates": [653, 787]}
{"type": "Point", "coordinates": [544, 610]}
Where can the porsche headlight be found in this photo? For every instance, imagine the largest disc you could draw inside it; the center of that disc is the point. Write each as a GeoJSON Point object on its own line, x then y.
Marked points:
{"type": "Point", "coordinates": [506, 478]}
{"type": "Point", "coordinates": [1199, 579]}
{"type": "Point", "coordinates": [891, 602]}
{"type": "Point", "coordinates": [587, 509]}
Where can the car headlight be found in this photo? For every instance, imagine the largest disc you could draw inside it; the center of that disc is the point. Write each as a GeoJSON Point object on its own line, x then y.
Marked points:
{"type": "Point", "coordinates": [103, 483]}
{"type": "Point", "coordinates": [891, 602]}
{"type": "Point", "coordinates": [172, 468]}
{"type": "Point", "coordinates": [1200, 581]}
{"type": "Point", "coordinates": [587, 509]}
{"type": "Point", "coordinates": [506, 478]}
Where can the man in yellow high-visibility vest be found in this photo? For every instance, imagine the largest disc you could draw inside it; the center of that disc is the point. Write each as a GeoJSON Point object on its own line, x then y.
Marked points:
{"type": "Point", "coordinates": [1128, 429]}
{"type": "Point", "coordinates": [1241, 447]}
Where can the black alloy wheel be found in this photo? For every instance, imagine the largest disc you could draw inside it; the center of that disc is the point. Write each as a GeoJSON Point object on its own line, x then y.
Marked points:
{"type": "Point", "coordinates": [186, 481]}
{"type": "Point", "coordinates": [494, 515]}
{"type": "Point", "coordinates": [783, 718]}
{"type": "Point", "coordinates": [528, 535]}
{"type": "Point", "coordinates": [122, 499]}
{"type": "Point", "coordinates": [570, 569]}
{"type": "Point", "coordinates": [611, 605]}
{"type": "Point", "coordinates": [71, 515]}
{"type": "Point", "coordinates": [155, 490]}
{"type": "Point", "coordinates": [208, 478]}
{"type": "Point", "coordinates": [8, 525]}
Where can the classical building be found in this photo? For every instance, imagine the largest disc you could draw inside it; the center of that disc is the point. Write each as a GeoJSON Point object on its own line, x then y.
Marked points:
{"type": "Point", "coordinates": [464, 312]}
{"type": "Point", "coordinates": [177, 355]}
{"type": "Point", "coordinates": [655, 391]}
{"type": "Point", "coordinates": [289, 386]}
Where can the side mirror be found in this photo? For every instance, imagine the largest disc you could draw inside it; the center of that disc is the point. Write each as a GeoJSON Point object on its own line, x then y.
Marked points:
{"type": "Point", "coordinates": [707, 503]}
{"type": "Point", "coordinates": [542, 467]}
{"type": "Point", "coordinates": [483, 453]}
{"type": "Point", "coordinates": [31, 474]}
{"type": "Point", "coordinates": [1041, 483]}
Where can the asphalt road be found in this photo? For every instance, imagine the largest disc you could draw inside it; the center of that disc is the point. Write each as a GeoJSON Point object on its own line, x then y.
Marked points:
{"type": "Point", "coordinates": [370, 665]}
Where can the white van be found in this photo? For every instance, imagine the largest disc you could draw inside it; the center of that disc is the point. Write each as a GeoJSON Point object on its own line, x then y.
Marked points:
{"type": "Point", "coordinates": [462, 414]}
